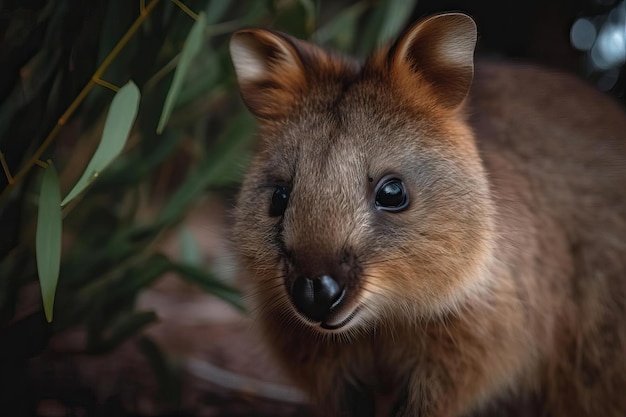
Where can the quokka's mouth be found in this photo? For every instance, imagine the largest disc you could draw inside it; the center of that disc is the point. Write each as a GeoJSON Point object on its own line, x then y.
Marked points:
{"type": "Point", "coordinates": [339, 322]}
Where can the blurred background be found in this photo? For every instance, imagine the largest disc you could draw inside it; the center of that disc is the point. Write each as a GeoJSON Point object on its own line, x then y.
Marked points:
{"type": "Point", "coordinates": [147, 319]}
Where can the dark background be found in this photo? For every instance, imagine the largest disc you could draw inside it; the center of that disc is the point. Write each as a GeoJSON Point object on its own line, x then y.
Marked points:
{"type": "Point", "coordinates": [79, 365]}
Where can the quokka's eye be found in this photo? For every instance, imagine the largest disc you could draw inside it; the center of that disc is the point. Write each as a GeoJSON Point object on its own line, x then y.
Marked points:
{"type": "Point", "coordinates": [280, 198]}
{"type": "Point", "coordinates": [391, 195]}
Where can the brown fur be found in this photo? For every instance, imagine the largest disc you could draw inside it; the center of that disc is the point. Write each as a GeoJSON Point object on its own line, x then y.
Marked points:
{"type": "Point", "coordinates": [505, 278]}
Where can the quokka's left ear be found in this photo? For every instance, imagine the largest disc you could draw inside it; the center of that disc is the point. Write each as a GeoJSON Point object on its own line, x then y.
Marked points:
{"type": "Point", "coordinates": [440, 52]}
{"type": "Point", "coordinates": [272, 70]}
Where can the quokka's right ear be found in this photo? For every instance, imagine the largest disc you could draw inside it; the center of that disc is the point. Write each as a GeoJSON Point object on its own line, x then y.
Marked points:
{"type": "Point", "coordinates": [438, 51]}
{"type": "Point", "coordinates": [269, 70]}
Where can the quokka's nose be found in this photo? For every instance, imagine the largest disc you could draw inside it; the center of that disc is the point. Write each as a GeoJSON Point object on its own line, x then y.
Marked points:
{"type": "Point", "coordinates": [315, 298]}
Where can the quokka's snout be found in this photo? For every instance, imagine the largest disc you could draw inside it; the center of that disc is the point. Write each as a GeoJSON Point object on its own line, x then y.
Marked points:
{"type": "Point", "coordinates": [324, 290]}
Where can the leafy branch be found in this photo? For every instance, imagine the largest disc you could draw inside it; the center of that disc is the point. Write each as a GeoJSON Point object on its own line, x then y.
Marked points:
{"type": "Point", "coordinates": [95, 79]}
{"type": "Point", "coordinates": [119, 122]}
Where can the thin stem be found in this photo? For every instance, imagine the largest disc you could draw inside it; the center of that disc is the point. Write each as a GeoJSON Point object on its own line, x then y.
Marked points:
{"type": "Point", "coordinates": [224, 27]}
{"type": "Point", "coordinates": [185, 9]}
{"type": "Point", "coordinates": [6, 169]}
{"type": "Point", "coordinates": [106, 84]}
{"type": "Point", "coordinates": [162, 72]}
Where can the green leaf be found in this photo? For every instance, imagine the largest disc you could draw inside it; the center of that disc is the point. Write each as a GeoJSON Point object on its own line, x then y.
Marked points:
{"type": "Point", "coordinates": [209, 283]}
{"type": "Point", "coordinates": [295, 17]}
{"type": "Point", "coordinates": [48, 238]}
{"type": "Point", "coordinates": [117, 126]}
{"type": "Point", "coordinates": [397, 14]}
{"type": "Point", "coordinates": [190, 252]}
{"type": "Point", "coordinates": [134, 166]}
{"type": "Point", "coordinates": [193, 45]}
{"type": "Point", "coordinates": [167, 373]}
{"type": "Point", "coordinates": [137, 278]}
{"type": "Point", "coordinates": [214, 169]}
{"type": "Point", "coordinates": [124, 328]}
{"type": "Point", "coordinates": [341, 30]}
{"type": "Point", "coordinates": [215, 10]}
{"type": "Point", "coordinates": [203, 81]}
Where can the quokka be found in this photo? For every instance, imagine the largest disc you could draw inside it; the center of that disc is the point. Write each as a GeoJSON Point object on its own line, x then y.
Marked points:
{"type": "Point", "coordinates": [424, 237]}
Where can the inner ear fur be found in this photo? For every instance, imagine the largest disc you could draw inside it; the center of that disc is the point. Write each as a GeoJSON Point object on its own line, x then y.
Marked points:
{"type": "Point", "coordinates": [438, 51]}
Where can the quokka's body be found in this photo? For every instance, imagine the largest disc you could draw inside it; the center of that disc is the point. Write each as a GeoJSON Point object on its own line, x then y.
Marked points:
{"type": "Point", "coordinates": [417, 250]}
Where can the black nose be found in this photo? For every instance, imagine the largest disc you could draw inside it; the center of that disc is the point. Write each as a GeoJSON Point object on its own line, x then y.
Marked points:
{"type": "Point", "coordinates": [315, 298]}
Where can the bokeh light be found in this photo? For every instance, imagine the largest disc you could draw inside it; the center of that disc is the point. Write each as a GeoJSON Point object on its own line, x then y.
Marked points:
{"type": "Point", "coordinates": [604, 39]}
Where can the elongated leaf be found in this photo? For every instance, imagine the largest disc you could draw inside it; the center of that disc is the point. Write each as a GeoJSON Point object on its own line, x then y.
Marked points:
{"type": "Point", "coordinates": [341, 30]}
{"type": "Point", "coordinates": [205, 80]}
{"type": "Point", "coordinates": [218, 165]}
{"type": "Point", "coordinates": [123, 329]}
{"type": "Point", "coordinates": [209, 283]}
{"type": "Point", "coordinates": [193, 45]}
{"type": "Point", "coordinates": [117, 126]}
{"type": "Point", "coordinates": [48, 238]}
{"type": "Point", "coordinates": [167, 373]}
{"type": "Point", "coordinates": [190, 252]}
{"type": "Point", "coordinates": [215, 11]}
{"type": "Point", "coordinates": [295, 17]}
{"type": "Point", "coordinates": [397, 14]}
{"type": "Point", "coordinates": [138, 278]}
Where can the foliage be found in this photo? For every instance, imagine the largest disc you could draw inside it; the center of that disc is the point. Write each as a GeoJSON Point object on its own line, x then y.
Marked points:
{"type": "Point", "coordinates": [191, 140]}
{"type": "Point", "coordinates": [48, 239]}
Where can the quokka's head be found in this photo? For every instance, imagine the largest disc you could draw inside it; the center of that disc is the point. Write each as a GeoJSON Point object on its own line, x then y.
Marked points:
{"type": "Point", "coordinates": [366, 199]}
